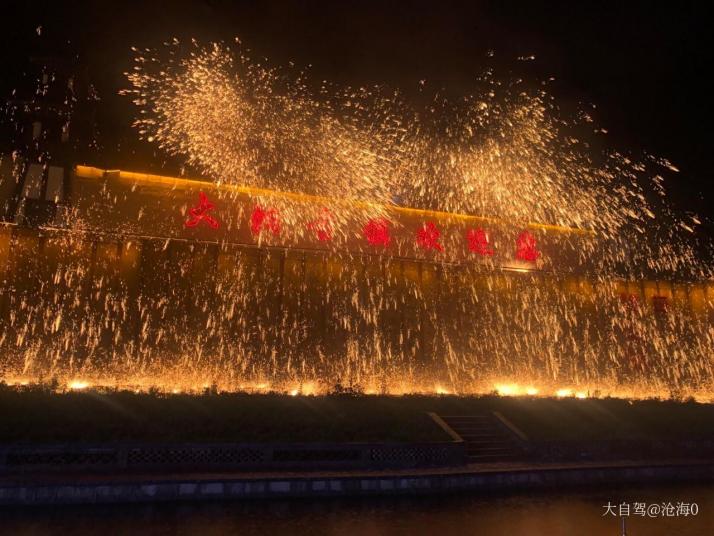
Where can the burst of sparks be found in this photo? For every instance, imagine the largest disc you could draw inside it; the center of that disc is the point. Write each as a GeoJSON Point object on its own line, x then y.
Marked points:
{"type": "Point", "coordinates": [504, 152]}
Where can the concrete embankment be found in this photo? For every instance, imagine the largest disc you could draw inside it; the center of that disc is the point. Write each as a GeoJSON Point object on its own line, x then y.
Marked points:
{"type": "Point", "coordinates": [37, 489]}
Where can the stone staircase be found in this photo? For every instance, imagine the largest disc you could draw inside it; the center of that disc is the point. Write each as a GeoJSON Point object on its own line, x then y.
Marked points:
{"type": "Point", "coordinates": [486, 438]}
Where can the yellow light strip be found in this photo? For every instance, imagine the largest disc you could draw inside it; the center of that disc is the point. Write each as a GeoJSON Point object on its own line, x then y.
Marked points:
{"type": "Point", "coordinates": [89, 172]}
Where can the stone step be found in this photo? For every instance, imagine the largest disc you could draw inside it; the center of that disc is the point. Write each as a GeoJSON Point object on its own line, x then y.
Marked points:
{"type": "Point", "coordinates": [479, 429]}
{"type": "Point", "coordinates": [480, 434]}
{"type": "Point", "coordinates": [490, 458]}
{"type": "Point", "coordinates": [470, 421]}
{"type": "Point", "coordinates": [475, 424]}
{"type": "Point", "coordinates": [470, 417]}
{"type": "Point", "coordinates": [470, 424]}
{"type": "Point", "coordinates": [484, 439]}
{"type": "Point", "coordinates": [482, 448]}
{"type": "Point", "coordinates": [488, 449]}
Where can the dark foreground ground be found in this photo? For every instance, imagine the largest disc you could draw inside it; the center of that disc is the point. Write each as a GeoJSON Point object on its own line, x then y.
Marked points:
{"type": "Point", "coordinates": [34, 415]}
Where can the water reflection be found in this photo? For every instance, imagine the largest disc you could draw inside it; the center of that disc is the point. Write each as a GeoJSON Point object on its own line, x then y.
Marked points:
{"type": "Point", "coordinates": [551, 513]}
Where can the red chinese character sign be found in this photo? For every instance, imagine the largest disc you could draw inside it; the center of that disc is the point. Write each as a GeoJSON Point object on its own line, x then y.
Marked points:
{"type": "Point", "coordinates": [479, 242]}
{"type": "Point", "coordinates": [428, 237]}
{"type": "Point", "coordinates": [264, 220]}
{"type": "Point", "coordinates": [200, 213]}
{"type": "Point", "coordinates": [322, 226]}
{"type": "Point", "coordinates": [376, 231]}
{"type": "Point", "coordinates": [526, 248]}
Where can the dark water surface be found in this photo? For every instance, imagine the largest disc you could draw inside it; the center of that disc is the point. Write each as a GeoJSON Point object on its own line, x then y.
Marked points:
{"type": "Point", "coordinates": [571, 513]}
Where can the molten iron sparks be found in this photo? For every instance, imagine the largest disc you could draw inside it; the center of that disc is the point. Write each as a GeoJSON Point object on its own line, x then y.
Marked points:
{"type": "Point", "coordinates": [269, 320]}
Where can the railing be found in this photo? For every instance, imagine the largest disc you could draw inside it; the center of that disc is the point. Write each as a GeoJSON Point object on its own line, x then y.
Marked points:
{"type": "Point", "coordinates": [228, 456]}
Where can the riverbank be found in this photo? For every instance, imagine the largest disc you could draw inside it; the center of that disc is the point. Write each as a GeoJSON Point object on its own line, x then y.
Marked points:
{"type": "Point", "coordinates": [36, 415]}
{"type": "Point", "coordinates": [143, 488]}
{"type": "Point", "coordinates": [106, 447]}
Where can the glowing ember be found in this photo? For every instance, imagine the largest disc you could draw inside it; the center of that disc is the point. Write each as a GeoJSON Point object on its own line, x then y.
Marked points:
{"type": "Point", "coordinates": [507, 390]}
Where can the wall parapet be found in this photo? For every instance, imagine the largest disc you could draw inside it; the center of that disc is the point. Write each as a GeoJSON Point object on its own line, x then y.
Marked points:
{"type": "Point", "coordinates": [228, 456]}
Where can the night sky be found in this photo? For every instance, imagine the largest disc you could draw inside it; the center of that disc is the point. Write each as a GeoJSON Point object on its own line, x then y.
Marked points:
{"type": "Point", "coordinates": [646, 66]}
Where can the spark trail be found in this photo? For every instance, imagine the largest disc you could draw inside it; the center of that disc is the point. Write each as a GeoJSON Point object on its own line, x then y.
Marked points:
{"type": "Point", "coordinates": [267, 320]}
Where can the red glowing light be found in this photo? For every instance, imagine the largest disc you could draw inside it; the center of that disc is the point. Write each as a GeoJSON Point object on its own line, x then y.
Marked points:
{"type": "Point", "coordinates": [478, 242]}
{"type": "Point", "coordinates": [376, 231]}
{"type": "Point", "coordinates": [200, 212]}
{"type": "Point", "coordinates": [630, 300]}
{"type": "Point", "coordinates": [322, 226]}
{"type": "Point", "coordinates": [264, 219]}
{"type": "Point", "coordinates": [526, 247]}
{"type": "Point", "coordinates": [660, 303]}
{"type": "Point", "coordinates": [428, 237]}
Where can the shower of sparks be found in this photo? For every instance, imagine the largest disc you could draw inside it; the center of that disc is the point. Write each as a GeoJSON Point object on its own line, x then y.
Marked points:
{"type": "Point", "coordinates": [504, 153]}
{"type": "Point", "coordinates": [322, 227]}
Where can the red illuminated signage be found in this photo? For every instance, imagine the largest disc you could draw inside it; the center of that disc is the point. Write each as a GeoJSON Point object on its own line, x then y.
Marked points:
{"type": "Point", "coordinates": [428, 237]}
{"type": "Point", "coordinates": [322, 226]}
{"type": "Point", "coordinates": [376, 231]}
{"type": "Point", "coordinates": [200, 212]}
{"type": "Point", "coordinates": [264, 220]}
{"type": "Point", "coordinates": [479, 242]}
{"type": "Point", "coordinates": [526, 247]}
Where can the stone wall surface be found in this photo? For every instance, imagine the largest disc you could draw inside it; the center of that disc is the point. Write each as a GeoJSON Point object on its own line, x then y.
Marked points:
{"type": "Point", "coordinates": [127, 488]}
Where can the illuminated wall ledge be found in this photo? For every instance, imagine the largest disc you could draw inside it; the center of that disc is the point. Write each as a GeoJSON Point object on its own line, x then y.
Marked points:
{"type": "Point", "coordinates": [93, 234]}
{"type": "Point", "coordinates": [89, 172]}
{"type": "Point", "coordinates": [633, 286]}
